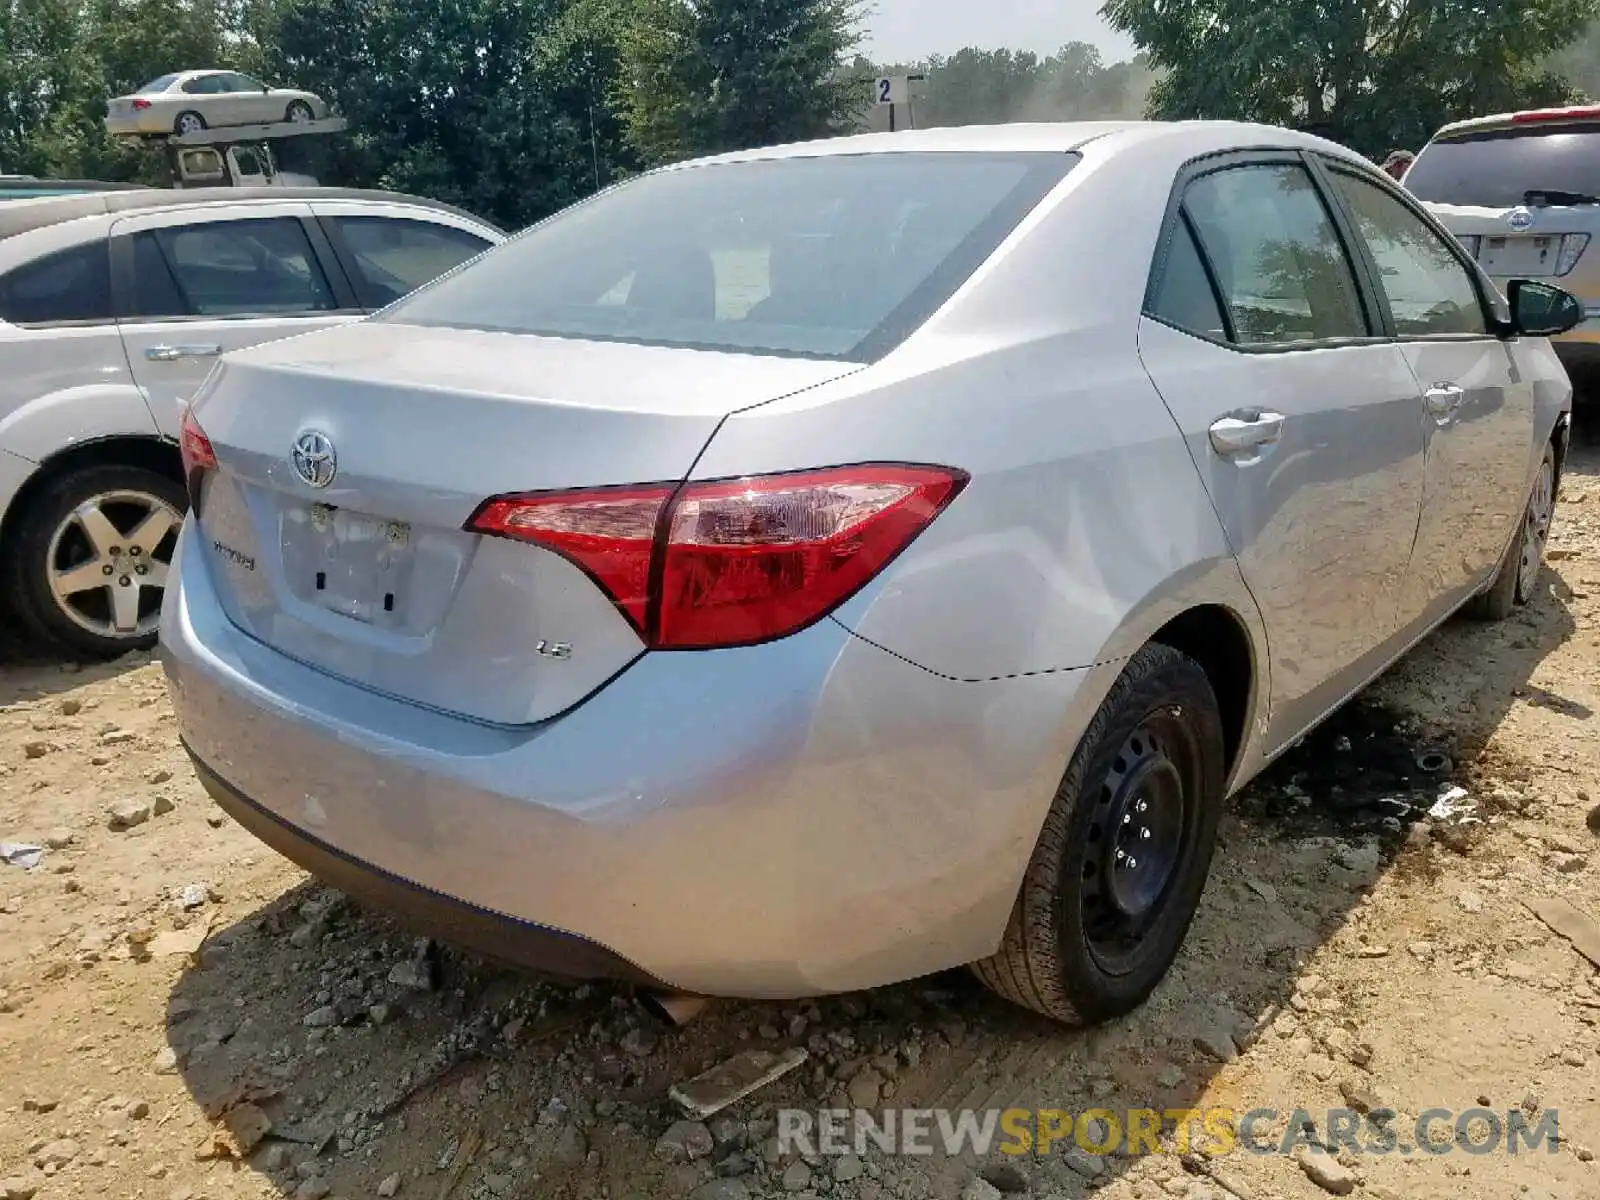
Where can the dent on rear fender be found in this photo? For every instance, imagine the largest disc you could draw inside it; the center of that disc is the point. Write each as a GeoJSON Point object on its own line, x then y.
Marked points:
{"type": "Point", "coordinates": [1057, 564]}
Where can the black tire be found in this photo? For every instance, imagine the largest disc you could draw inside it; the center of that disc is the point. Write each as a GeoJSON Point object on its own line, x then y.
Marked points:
{"type": "Point", "coordinates": [297, 107]}
{"type": "Point", "coordinates": [178, 121]}
{"type": "Point", "coordinates": [1518, 577]}
{"type": "Point", "coordinates": [1056, 957]}
{"type": "Point", "coordinates": [28, 563]}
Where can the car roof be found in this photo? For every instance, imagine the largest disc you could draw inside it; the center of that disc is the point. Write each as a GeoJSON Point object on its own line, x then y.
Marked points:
{"type": "Point", "coordinates": [22, 216]}
{"type": "Point", "coordinates": [1046, 137]}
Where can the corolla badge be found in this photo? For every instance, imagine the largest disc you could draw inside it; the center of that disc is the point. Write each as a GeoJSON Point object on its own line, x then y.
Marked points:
{"type": "Point", "coordinates": [314, 459]}
{"type": "Point", "coordinates": [1520, 220]}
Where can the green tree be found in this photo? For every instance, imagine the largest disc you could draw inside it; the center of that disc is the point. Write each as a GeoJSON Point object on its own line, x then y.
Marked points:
{"type": "Point", "coordinates": [496, 106]}
{"type": "Point", "coordinates": [702, 76]}
{"type": "Point", "coordinates": [1370, 73]}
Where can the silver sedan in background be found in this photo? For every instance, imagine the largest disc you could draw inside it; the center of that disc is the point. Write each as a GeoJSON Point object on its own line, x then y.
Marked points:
{"type": "Point", "coordinates": [815, 567]}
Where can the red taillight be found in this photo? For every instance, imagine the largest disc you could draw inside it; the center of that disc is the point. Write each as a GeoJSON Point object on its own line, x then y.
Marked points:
{"type": "Point", "coordinates": [732, 562]}
{"type": "Point", "coordinates": [141, 105]}
{"type": "Point", "coordinates": [1582, 112]}
{"type": "Point", "coordinates": [195, 447]}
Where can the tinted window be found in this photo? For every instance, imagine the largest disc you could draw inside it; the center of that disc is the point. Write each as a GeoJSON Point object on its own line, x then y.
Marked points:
{"type": "Point", "coordinates": [71, 285]}
{"type": "Point", "coordinates": [205, 85]}
{"type": "Point", "coordinates": [1428, 289]}
{"type": "Point", "coordinates": [1496, 170]}
{"type": "Point", "coordinates": [1282, 269]}
{"type": "Point", "coordinates": [229, 268]}
{"type": "Point", "coordinates": [837, 256]}
{"type": "Point", "coordinates": [157, 85]}
{"type": "Point", "coordinates": [1184, 297]}
{"type": "Point", "coordinates": [242, 83]}
{"type": "Point", "coordinates": [392, 257]}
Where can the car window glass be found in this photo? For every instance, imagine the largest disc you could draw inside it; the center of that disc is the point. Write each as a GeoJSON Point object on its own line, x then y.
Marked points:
{"type": "Point", "coordinates": [204, 85]}
{"type": "Point", "coordinates": [1184, 296]}
{"type": "Point", "coordinates": [1428, 289]}
{"type": "Point", "coordinates": [70, 285]}
{"type": "Point", "coordinates": [242, 83]}
{"type": "Point", "coordinates": [247, 161]}
{"type": "Point", "coordinates": [157, 85]}
{"type": "Point", "coordinates": [839, 256]}
{"type": "Point", "coordinates": [394, 256]}
{"type": "Point", "coordinates": [1279, 262]}
{"type": "Point", "coordinates": [231, 268]}
{"type": "Point", "coordinates": [1496, 168]}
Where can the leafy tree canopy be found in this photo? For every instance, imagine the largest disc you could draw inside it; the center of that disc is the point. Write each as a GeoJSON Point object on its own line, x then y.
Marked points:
{"type": "Point", "coordinates": [1373, 74]}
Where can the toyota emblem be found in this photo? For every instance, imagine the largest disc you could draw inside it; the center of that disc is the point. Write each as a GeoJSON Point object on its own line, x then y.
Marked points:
{"type": "Point", "coordinates": [314, 459]}
{"type": "Point", "coordinates": [1520, 220]}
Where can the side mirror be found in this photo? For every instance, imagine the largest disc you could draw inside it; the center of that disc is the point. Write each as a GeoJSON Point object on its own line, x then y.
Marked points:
{"type": "Point", "coordinates": [1542, 310]}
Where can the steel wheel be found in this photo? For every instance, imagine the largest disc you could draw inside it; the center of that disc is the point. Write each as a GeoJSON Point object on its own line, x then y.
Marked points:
{"type": "Point", "coordinates": [1536, 529]}
{"type": "Point", "coordinates": [1138, 837]}
{"type": "Point", "coordinates": [107, 561]}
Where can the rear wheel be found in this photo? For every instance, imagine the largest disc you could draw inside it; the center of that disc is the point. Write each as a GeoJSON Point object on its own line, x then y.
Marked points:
{"type": "Point", "coordinates": [299, 112]}
{"type": "Point", "coordinates": [1518, 577]}
{"type": "Point", "coordinates": [91, 558]}
{"type": "Point", "coordinates": [188, 122]}
{"type": "Point", "coordinates": [1116, 877]}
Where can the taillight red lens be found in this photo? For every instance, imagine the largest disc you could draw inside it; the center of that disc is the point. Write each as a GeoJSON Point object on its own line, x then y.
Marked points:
{"type": "Point", "coordinates": [609, 532]}
{"type": "Point", "coordinates": [194, 446]}
{"type": "Point", "coordinates": [141, 105]}
{"type": "Point", "coordinates": [732, 562]}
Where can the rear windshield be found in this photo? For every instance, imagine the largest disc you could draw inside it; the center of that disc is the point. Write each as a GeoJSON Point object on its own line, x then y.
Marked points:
{"type": "Point", "coordinates": [157, 85]}
{"type": "Point", "coordinates": [831, 257]}
{"type": "Point", "coordinates": [1496, 169]}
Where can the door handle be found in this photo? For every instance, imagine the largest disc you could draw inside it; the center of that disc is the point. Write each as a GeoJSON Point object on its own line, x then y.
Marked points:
{"type": "Point", "coordinates": [1239, 433]}
{"type": "Point", "coordinates": [1442, 400]}
{"type": "Point", "coordinates": [174, 353]}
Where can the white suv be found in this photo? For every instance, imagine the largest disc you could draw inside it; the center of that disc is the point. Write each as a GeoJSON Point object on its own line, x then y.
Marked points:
{"type": "Point", "coordinates": [113, 308]}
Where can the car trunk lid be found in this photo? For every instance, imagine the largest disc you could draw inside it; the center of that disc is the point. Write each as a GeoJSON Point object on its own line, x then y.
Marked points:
{"type": "Point", "coordinates": [350, 461]}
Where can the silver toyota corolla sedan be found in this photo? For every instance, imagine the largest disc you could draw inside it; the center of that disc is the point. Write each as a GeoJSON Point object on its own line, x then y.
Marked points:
{"type": "Point", "coordinates": [814, 567]}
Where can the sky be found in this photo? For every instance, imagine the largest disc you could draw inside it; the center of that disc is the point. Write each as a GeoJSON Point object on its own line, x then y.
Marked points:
{"type": "Point", "coordinates": [905, 30]}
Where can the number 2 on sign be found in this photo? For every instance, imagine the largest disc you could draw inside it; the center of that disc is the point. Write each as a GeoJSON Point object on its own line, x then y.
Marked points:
{"type": "Point", "coordinates": [885, 89]}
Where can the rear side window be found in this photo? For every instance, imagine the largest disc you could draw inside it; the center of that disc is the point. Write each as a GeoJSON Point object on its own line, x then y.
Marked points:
{"type": "Point", "coordinates": [1497, 169]}
{"type": "Point", "coordinates": [70, 285]}
{"type": "Point", "coordinates": [392, 256]}
{"type": "Point", "coordinates": [1280, 265]}
{"type": "Point", "coordinates": [838, 256]}
{"type": "Point", "coordinates": [1428, 289]}
{"type": "Point", "coordinates": [228, 269]}
{"type": "Point", "coordinates": [1184, 297]}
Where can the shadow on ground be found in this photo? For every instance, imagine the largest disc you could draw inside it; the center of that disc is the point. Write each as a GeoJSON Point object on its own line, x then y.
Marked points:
{"type": "Point", "coordinates": [32, 670]}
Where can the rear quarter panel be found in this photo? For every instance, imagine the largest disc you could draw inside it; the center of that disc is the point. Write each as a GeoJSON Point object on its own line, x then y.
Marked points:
{"type": "Point", "coordinates": [1085, 526]}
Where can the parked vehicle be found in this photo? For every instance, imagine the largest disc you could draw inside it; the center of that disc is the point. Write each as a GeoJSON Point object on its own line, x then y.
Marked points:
{"type": "Point", "coordinates": [113, 307]}
{"type": "Point", "coordinates": [1522, 192]}
{"type": "Point", "coordinates": [814, 567]}
{"type": "Point", "coordinates": [30, 187]}
{"type": "Point", "coordinates": [187, 102]}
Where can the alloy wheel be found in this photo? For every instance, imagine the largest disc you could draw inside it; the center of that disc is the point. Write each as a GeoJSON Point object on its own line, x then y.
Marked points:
{"type": "Point", "coordinates": [108, 561]}
{"type": "Point", "coordinates": [1536, 529]}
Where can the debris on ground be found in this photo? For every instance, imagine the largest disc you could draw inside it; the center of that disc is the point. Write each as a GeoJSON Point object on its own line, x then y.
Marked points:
{"type": "Point", "coordinates": [734, 1079]}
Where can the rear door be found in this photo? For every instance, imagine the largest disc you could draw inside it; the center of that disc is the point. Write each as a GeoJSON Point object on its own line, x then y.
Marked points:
{"type": "Point", "coordinates": [197, 283]}
{"type": "Point", "coordinates": [1302, 417]}
{"type": "Point", "coordinates": [388, 250]}
{"type": "Point", "coordinates": [1479, 407]}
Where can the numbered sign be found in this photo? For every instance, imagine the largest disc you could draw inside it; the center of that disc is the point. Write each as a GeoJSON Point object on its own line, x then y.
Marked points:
{"type": "Point", "coordinates": [890, 89]}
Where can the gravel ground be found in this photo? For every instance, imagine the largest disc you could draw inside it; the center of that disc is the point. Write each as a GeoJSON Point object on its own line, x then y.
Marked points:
{"type": "Point", "coordinates": [183, 1014]}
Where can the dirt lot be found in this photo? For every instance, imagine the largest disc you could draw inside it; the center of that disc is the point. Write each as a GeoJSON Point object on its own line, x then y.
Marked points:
{"type": "Point", "coordinates": [1359, 951]}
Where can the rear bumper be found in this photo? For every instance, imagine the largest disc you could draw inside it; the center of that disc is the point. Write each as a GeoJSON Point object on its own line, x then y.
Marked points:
{"type": "Point", "coordinates": [813, 815]}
